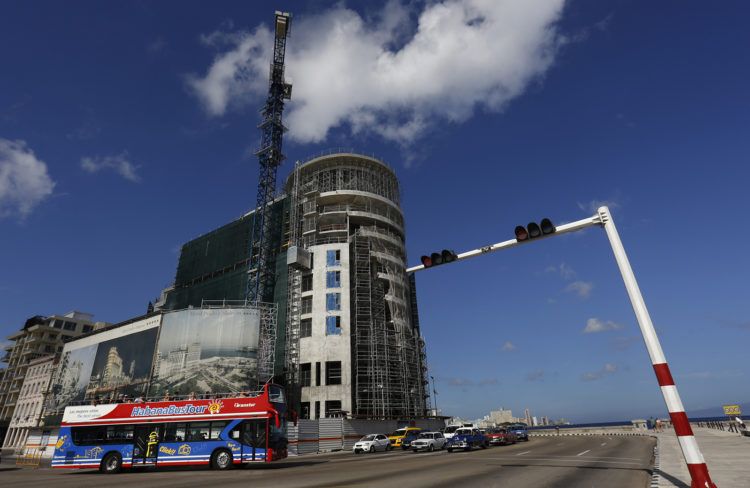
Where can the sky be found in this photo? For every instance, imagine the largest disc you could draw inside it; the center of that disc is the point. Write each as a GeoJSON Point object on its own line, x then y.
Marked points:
{"type": "Point", "coordinates": [127, 129]}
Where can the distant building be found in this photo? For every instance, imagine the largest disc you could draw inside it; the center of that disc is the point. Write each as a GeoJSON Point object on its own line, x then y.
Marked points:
{"type": "Point", "coordinates": [28, 410]}
{"type": "Point", "coordinates": [40, 336]}
{"type": "Point", "coordinates": [501, 416]}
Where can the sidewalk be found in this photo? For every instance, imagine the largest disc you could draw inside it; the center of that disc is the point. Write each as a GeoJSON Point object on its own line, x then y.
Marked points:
{"type": "Point", "coordinates": [726, 453]}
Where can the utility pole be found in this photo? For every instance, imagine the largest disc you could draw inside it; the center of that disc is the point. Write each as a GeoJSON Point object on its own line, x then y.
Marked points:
{"type": "Point", "coordinates": [691, 452]}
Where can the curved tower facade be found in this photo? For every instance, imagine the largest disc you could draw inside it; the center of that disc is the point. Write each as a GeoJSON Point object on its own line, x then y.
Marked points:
{"type": "Point", "coordinates": [352, 338]}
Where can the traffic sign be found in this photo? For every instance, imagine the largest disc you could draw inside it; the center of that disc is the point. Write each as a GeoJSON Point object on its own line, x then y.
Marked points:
{"type": "Point", "coordinates": [732, 410]}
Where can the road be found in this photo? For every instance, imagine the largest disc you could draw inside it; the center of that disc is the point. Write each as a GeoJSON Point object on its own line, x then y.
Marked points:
{"type": "Point", "coordinates": [586, 461]}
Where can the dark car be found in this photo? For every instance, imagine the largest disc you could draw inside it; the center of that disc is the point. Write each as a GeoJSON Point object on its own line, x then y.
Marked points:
{"type": "Point", "coordinates": [501, 437]}
{"type": "Point", "coordinates": [520, 431]}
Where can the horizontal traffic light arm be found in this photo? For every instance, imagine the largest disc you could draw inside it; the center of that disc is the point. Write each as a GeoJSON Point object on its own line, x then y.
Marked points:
{"type": "Point", "coordinates": [561, 229]}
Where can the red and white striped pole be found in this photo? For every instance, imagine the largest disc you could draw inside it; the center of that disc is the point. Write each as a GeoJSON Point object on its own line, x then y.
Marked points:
{"type": "Point", "coordinates": [692, 454]}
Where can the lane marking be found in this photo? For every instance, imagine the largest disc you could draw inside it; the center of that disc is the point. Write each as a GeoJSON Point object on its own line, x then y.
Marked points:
{"type": "Point", "coordinates": [547, 460]}
{"type": "Point", "coordinates": [604, 444]}
{"type": "Point", "coordinates": [584, 452]}
{"type": "Point", "coordinates": [522, 453]}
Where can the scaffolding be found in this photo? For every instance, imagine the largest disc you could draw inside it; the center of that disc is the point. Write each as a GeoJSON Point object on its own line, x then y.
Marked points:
{"type": "Point", "coordinates": [387, 350]}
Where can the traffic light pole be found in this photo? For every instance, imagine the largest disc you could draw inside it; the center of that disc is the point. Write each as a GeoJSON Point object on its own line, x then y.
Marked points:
{"type": "Point", "coordinates": [690, 450]}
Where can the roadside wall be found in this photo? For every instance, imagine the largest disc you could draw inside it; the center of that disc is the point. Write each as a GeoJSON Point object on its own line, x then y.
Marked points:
{"type": "Point", "coordinates": [324, 435]}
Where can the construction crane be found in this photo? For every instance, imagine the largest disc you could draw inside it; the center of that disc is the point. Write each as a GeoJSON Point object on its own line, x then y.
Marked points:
{"type": "Point", "coordinates": [260, 279]}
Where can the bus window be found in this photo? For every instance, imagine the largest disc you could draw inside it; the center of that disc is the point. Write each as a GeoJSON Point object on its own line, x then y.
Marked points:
{"type": "Point", "coordinates": [174, 433]}
{"type": "Point", "coordinates": [198, 431]}
{"type": "Point", "coordinates": [216, 428]}
{"type": "Point", "coordinates": [277, 438]}
{"type": "Point", "coordinates": [254, 433]}
{"type": "Point", "coordinates": [119, 434]}
{"type": "Point", "coordinates": [87, 435]}
{"type": "Point", "coordinates": [275, 394]}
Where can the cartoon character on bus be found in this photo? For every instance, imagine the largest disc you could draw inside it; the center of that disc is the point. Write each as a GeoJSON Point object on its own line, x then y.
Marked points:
{"type": "Point", "coordinates": [153, 440]}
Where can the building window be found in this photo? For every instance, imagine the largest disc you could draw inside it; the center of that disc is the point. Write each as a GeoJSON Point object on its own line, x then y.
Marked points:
{"type": "Point", "coordinates": [304, 374]}
{"type": "Point", "coordinates": [87, 328]}
{"type": "Point", "coordinates": [333, 372]}
{"type": "Point", "coordinates": [333, 258]}
{"type": "Point", "coordinates": [304, 410]}
{"type": "Point", "coordinates": [333, 279]}
{"type": "Point", "coordinates": [69, 325]}
{"type": "Point", "coordinates": [307, 282]}
{"type": "Point", "coordinates": [317, 374]}
{"type": "Point", "coordinates": [306, 305]}
{"type": "Point", "coordinates": [305, 328]}
{"type": "Point", "coordinates": [57, 324]}
{"type": "Point", "coordinates": [333, 325]}
{"type": "Point", "coordinates": [333, 407]}
{"type": "Point", "coordinates": [333, 301]}
{"type": "Point", "coordinates": [317, 410]}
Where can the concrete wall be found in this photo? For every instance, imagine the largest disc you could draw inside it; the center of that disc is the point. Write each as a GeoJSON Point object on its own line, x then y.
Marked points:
{"type": "Point", "coordinates": [325, 435]}
{"type": "Point", "coordinates": [321, 347]}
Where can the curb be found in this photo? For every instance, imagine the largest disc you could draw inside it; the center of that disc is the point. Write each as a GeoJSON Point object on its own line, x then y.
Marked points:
{"type": "Point", "coordinates": [589, 434]}
{"type": "Point", "coordinates": [656, 475]}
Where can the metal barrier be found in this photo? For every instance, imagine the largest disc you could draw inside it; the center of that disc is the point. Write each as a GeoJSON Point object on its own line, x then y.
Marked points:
{"type": "Point", "coordinates": [29, 459]}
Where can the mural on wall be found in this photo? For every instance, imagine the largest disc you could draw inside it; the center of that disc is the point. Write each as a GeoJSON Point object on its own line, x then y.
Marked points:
{"type": "Point", "coordinates": [206, 350]}
{"type": "Point", "coordinates": [189, 351]}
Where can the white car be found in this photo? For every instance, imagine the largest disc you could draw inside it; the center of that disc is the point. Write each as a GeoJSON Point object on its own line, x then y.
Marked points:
{"type": "Point", "coordinates": [372, 443]}
{"type": "Point", "coordinates": [428, 441]}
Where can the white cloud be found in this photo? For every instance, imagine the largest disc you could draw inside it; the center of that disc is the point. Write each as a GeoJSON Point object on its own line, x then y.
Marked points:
{"type": "Point", "coordinates": [564, 269]}
{"type": "Point", "coordinates": [119, 163]}
{"type": "Point", "coordinates": [388, 76]}
{"type": "Point", "coordinates": [594, 325]}
{"type": "Point", "coordinates": [24, 181]}
{"type": "Point", "coordinates": [608, 369]}
{"type": "Point", "coordinates": [580, 288]}
{"type": "Point", "coordinates": [592, 206]}
{"type": "Point", "coordinates": [537, 375]}
{"type": "Point", "coordinates": [508, 346]}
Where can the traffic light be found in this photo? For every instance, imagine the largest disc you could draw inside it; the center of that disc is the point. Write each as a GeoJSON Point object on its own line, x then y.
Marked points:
{"type": "Point", "coordinates": [436, 258]}
{"type": "Point", "coordinates": [534, 230]}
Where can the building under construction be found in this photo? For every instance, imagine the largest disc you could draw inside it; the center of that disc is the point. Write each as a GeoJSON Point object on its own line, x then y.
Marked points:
{"type": "Point", "coordinates": [347, 334]}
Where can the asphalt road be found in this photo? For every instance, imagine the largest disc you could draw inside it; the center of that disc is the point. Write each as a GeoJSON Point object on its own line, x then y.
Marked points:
{"type": "Point", "coordinates": [586, 461]}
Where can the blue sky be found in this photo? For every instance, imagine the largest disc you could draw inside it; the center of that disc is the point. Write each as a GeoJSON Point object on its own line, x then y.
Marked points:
{"type": "Point", "coordinates": [121, 137]}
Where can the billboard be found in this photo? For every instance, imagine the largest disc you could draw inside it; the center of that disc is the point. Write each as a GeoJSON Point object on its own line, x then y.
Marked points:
{"type": "Point", "coordinates": [104, 365]}
{"type": "Point", "coordinates": [206, 350]}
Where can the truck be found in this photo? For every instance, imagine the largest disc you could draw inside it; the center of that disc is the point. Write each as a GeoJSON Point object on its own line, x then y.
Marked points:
{"type": "Point", "coordinates": [467, 438]}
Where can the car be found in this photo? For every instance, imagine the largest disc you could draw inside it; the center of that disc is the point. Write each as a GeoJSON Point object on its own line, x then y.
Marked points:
{"type": "Point", "coordinates": [520, 431]}
{"type": "Point", "coordinates": [467, 438]}
{"type": "Point", "coordinates": [501, 437]}
{"type": "Point", "coordinates": [428, 441]}
{"type": "Point", "coordinates": [403, 437]}
{"type": "Point", "coordinates": [450, 431]}
{"type": "Point", "coordinates": [372, 443]}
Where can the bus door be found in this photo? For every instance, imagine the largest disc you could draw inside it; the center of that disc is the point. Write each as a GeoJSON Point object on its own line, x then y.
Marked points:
{"type": "Point", "coordinates": [146, 444]}
{"type": "Point", "coordinates": [254, 440]}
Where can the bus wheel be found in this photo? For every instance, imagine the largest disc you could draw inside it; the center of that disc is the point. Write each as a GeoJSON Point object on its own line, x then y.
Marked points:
{"type": "Point", "coordinates": [111, 464]}
{"type": "Point", "coordinates": [221, 459]}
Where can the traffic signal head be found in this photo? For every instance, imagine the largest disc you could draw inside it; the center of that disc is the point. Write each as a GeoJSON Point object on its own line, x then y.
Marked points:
{"type": "Point", "coordinates": [534, 230]}
{"type": "Point", "coordinates": [436, 258]}
{"type": "Point", "coordinates": [547, 226]}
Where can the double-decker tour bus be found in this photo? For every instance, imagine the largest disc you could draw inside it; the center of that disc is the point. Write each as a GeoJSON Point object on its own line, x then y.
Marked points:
{"type": "Point", "coordinates": [219, 432]}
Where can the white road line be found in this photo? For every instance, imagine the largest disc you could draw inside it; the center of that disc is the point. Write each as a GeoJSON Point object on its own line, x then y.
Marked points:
{"type": "Point", "coordinates": [584, 452]}
{"type": "Point", "coordinates": [604, 444]}
{"type": "Point", "coordinates": [624, 463]}
{"type": "Point", "coordinates": [522, 453]}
